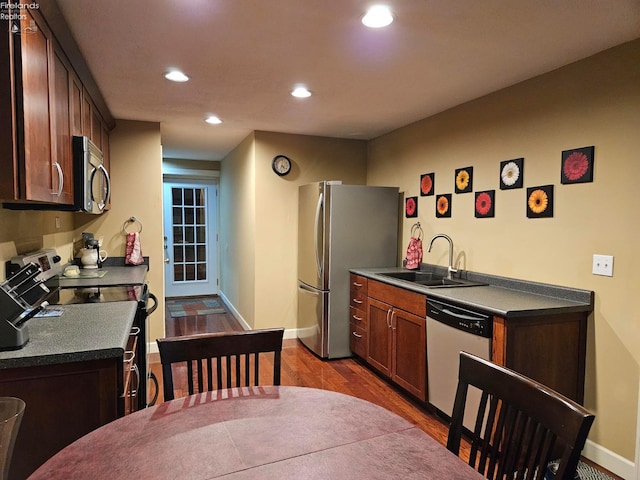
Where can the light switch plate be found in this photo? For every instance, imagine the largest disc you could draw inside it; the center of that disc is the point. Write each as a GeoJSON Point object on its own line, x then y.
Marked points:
{"type": "Point", "coordinates": [603, 265]}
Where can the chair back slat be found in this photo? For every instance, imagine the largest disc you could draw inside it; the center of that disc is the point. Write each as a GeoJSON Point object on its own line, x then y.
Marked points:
{"type": "Point", "coordinates": [521, 425]}
{"type": "Point", "coordinates": [231, 352]}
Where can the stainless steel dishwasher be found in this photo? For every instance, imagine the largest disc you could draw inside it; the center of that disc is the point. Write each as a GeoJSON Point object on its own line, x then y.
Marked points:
{"type": "Point", "coordinates": [451, 329]}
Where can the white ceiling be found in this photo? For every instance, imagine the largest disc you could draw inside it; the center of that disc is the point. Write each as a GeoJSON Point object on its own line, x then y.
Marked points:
{"type": "Point", "coordinates": [244, 56]}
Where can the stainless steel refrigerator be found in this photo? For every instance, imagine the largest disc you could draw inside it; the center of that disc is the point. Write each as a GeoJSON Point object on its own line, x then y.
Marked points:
{"type": "Point", "coordinates": [339, 227]}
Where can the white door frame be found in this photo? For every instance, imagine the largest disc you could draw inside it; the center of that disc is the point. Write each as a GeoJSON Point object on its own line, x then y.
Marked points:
{"type": "Point", "coordinates": [209, 287]}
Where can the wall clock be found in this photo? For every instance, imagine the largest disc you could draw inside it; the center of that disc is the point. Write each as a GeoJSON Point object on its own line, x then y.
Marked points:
{"type": "Point", "coordinates": [281, 165]}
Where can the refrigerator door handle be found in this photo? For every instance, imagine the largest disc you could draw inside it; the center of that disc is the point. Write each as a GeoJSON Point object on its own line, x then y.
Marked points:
{"type": "Point", "coordinates": [319, 261]}
{"type": "Point", "coordinates": [309, 291]}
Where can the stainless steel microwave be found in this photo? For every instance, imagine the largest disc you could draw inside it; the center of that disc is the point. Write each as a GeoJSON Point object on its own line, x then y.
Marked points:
{"type": "Point", "coordinates": [92, 186]}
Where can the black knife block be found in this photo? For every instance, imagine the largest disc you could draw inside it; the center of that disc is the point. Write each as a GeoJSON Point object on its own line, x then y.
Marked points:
{"type": "Point", "coordinates": [13, 328]}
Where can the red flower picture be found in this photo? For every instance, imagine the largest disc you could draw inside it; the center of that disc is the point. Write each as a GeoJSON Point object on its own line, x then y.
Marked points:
{"type": "Point", "coordinates": [577, 165]}
{"type": "Point", "coordinates": [484, 204]}
{"type": "Point", "coordinates": [411, 207]}
{"type": "Point", "coordinates": [426, 184]}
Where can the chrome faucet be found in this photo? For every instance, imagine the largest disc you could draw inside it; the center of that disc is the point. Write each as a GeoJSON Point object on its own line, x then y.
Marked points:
{"type": "Point", "coordinates": [450, 269]}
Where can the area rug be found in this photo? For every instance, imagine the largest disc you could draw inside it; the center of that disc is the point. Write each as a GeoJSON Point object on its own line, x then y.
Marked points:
{"type": "Point", "coordinates": [587, 472]}
{"type": "Point", "coordinates": [187, 308]}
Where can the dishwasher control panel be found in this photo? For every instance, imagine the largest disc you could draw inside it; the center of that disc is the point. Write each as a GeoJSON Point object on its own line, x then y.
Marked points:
{"type": "Point", "coordinates": [477, 323]}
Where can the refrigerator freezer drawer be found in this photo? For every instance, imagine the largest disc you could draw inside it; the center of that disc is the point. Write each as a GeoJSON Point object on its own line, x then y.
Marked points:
{"type": "Point", "coordinates": [313, 323]}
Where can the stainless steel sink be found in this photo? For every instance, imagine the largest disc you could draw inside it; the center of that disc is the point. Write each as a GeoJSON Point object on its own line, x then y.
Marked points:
{"type": "Point", "coordinates": [431, 280]}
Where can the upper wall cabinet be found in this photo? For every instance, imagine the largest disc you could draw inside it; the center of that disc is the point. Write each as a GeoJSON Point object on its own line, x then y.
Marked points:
{"type": "Point", "coordinates": [43, 103]}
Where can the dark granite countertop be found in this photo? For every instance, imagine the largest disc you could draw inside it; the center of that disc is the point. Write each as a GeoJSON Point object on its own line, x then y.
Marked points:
{"type": "Point", "coordinates": [107, 276]}
{"type": "Point", "coordinates": [83, 332]}
{"type": "Point", "coordinates": [508, 298]}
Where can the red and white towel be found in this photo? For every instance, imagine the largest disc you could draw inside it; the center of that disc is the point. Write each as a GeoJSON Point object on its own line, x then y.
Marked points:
{"type": "Point", "coordinates": [414, 253]}
{"type": "Point", "coordinates": [134, 250]}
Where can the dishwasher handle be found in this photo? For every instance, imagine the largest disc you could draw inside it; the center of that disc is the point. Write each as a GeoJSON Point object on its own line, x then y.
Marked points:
{"type": "Point", "coordinates": [474, 322]}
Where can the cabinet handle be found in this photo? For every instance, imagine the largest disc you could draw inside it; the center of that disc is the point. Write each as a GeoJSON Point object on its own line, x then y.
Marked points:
{"type": "Point", "coordinates": [134, 331]}
{"type": "Point", "coordinates": [356, 284]}
{"type": "Point", "coordinates": [60, 179]}
{"type": "Point", "coordinates": [356, 335]}
{"type": "Point", "coordinates": [389, 318]}
{"type": "Point", "coordinates": [130, 359]}
{"type": "Point", "coordinates": [134, 392]}
{"type": "Point", "coordinates": [355, 300]}
{"type": "Point", "coordinates": [355, 317]}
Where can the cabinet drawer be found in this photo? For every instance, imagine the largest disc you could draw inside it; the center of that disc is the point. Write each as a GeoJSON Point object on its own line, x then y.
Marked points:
{"type": "Point", "coordinates": [358, 340]}
{"type": "Point", "coordinates": [358, 317]}
{"type": "Point", "coordinates": [407, 300]}
{"type": "Point", "coordinates": [358, 291]}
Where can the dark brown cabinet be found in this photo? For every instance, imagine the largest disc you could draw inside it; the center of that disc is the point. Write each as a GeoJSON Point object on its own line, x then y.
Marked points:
{"type": "Point", "coordinates": [64, 403]}
{"type": "Point", "coordinates": [43, 104]}
{"type": "Point", "coordinates": [548, 348]}
{"type": "Point", "coordinates": [61, 128]}
{"type": "Point", "coordinates": [397, 336]}
{"type": "Point", "coordinates": [358, 320]}
{"type": "Point", "coordinates": [27, 152]}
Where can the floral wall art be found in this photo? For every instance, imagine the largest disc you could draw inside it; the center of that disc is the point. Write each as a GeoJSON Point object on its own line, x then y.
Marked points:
{"type": "Point", "coordinates": [511, 173]}
{"type": "Point", "coordinates": [540, 201]}
{"type": "Point", "coordinates": [443, 205]}
{"type": "Point", "coordinates": [464, 180]}
{"type": "Point", "coordinates": [577, 165]}
{"type": "Point", "coordinates": [427, 184]}
{"type": "Point", "coordinates": [484, 205]}
{"type": "Point", "coordinates": [411, 207]}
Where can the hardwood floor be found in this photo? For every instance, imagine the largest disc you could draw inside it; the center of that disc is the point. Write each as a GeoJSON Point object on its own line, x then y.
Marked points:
{"type": "Point", "coordinates": [302, 368]}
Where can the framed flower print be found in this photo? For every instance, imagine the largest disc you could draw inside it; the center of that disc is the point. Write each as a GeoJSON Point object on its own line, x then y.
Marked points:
{"type": "Point", "coordinates": [577, 165]}
{"type": "Point", "coordinates": [484, 206]}
{"type": "Point", "coordinates": [540, 202]}
{"type": "Point", "coordinates": [511, 173]}
{"type": "Point", "coordinates": [411, 207]}
{"type": "Point", "coordinates": [464, 180]}
{"type": "Point", "coordinates": [427, 184]}
{"type": "Point", "coordinates": [443, 206]}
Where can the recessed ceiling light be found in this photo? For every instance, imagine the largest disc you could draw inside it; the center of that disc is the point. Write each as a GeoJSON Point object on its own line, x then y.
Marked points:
{"type": "Point", "coordinates": [176, 76]}
{"type": "Point", "coordinates": [378, 16]}
{"type": "Point", "coordinates": [213, 120]}
{"type": "Point", "coordinates": [301, 92]}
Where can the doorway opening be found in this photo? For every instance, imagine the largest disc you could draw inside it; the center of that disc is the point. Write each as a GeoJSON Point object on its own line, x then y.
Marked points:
{"type": "Point", "coordinates": [191, 237]}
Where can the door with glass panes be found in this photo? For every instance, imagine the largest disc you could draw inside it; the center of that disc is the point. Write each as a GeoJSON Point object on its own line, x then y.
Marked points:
{"type": "Point", "coordinates": [190, 238]}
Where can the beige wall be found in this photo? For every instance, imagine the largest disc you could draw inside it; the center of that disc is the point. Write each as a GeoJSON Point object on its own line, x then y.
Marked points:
{"type": "Point", "coordinates": [258, 218]}
{"type": "Point", "coordinates": [593, 102]}
{"type": "Point", "coordinates": [26, 231]}
{"type": "Point", "coordinates": [237, 226]}
{"type": "Point", "coordinates": [136, 178]}
{"type": "Point", "coordinates": [136, 170]}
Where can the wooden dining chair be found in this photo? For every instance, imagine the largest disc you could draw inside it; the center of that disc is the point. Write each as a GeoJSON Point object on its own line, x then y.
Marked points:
{"type": "Point", "coordinates": [521, 425]}
{"type": "Point", "coordinates": [226, 357]}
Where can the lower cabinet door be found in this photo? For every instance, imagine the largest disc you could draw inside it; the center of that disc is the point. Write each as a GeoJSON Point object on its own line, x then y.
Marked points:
{"type": "Point", "coordinates": [410, 353]}
{"type": "Point", "coordinates": [379, 341]}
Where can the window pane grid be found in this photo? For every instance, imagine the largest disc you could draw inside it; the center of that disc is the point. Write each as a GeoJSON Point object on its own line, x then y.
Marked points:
{"type": "Point", "coordinates": [189, 223]}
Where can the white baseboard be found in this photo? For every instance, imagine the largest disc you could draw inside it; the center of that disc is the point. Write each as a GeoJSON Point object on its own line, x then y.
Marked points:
{"type": "Point", "coordinates": [288, 333]}
{"type": "Point", "coordinates": [609, 460]}
{"type": "Point", "coordinates": [234, 312]}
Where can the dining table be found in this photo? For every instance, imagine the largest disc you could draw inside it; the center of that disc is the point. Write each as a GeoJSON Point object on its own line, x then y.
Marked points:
{"type": "Point", "coordinates": [270, 432]}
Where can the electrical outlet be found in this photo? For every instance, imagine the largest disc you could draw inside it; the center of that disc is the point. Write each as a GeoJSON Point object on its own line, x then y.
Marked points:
{"type": "Point", "coordinates": [603, 265]}
{"type": "Point", "coordinates": [58, 223]}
